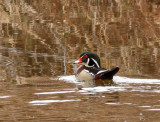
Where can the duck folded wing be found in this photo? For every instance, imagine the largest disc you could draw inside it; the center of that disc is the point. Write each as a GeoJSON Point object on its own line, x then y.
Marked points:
{"type": "Point", "coordinates": [106, 74]}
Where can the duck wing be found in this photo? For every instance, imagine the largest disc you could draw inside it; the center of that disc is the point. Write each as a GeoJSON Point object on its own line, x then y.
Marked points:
{"type": "Point", "coordinates": [99, 73]}
{"type": "Point", "coordinates": [106, 74]}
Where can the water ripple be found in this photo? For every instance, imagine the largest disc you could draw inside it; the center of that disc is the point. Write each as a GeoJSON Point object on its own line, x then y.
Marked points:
{"type": "Point", "coordinates": [2, 97]}
{"type": "Point", "coordinates": [56, 92]}
{"type": "Point", "coordinates": [45, 102]}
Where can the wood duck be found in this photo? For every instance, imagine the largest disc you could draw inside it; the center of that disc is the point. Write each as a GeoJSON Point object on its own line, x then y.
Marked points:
{"type": "Point", "coordinates": [91, 68]}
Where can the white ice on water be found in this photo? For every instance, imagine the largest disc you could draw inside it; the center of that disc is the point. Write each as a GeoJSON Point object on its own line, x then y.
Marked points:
{"type": "Point", "coordinates": [116, 79]}
{"type": "Point", "coordinates": [122, 84]}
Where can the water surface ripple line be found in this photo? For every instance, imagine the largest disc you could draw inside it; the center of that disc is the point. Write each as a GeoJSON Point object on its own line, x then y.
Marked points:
{"type": "Point", "coordinates": [56, 92]}
{"type": "Point", "coordinates": [52, 101]}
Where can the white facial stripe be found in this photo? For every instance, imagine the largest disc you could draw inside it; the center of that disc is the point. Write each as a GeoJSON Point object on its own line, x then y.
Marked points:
{"type": "Point", "coordinates": [95, 62]}
{"type": "Point", "coordinates": [83, 55]}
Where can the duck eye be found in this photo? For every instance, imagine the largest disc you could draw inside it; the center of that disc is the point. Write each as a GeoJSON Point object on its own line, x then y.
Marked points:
{"type": "Point", "coordinates": [85, 56]}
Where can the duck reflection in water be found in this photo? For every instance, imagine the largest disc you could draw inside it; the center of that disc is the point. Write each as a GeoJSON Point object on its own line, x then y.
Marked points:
{"type": "Point", "coordinates": [93, 83]}
{"type": "Point", "coordinates": [90, 70]}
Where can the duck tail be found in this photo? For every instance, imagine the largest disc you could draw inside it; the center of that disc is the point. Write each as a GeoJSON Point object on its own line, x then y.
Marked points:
{"type": "Point", "coordinates": [108, 74]}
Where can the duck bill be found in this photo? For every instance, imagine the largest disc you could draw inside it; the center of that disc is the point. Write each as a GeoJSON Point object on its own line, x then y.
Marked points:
{"type": "Point", "coordinates": [78, 61]}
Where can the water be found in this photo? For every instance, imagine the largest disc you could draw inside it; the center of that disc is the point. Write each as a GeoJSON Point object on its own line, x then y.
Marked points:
{"type": "Point", "coordinates": [39, 40]}
{"type": "Point", "coordinates": [62, 100]}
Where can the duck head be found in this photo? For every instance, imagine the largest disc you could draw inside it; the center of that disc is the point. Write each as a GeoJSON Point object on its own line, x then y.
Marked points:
{"type": "Point", "coordinates": [89, 59]}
